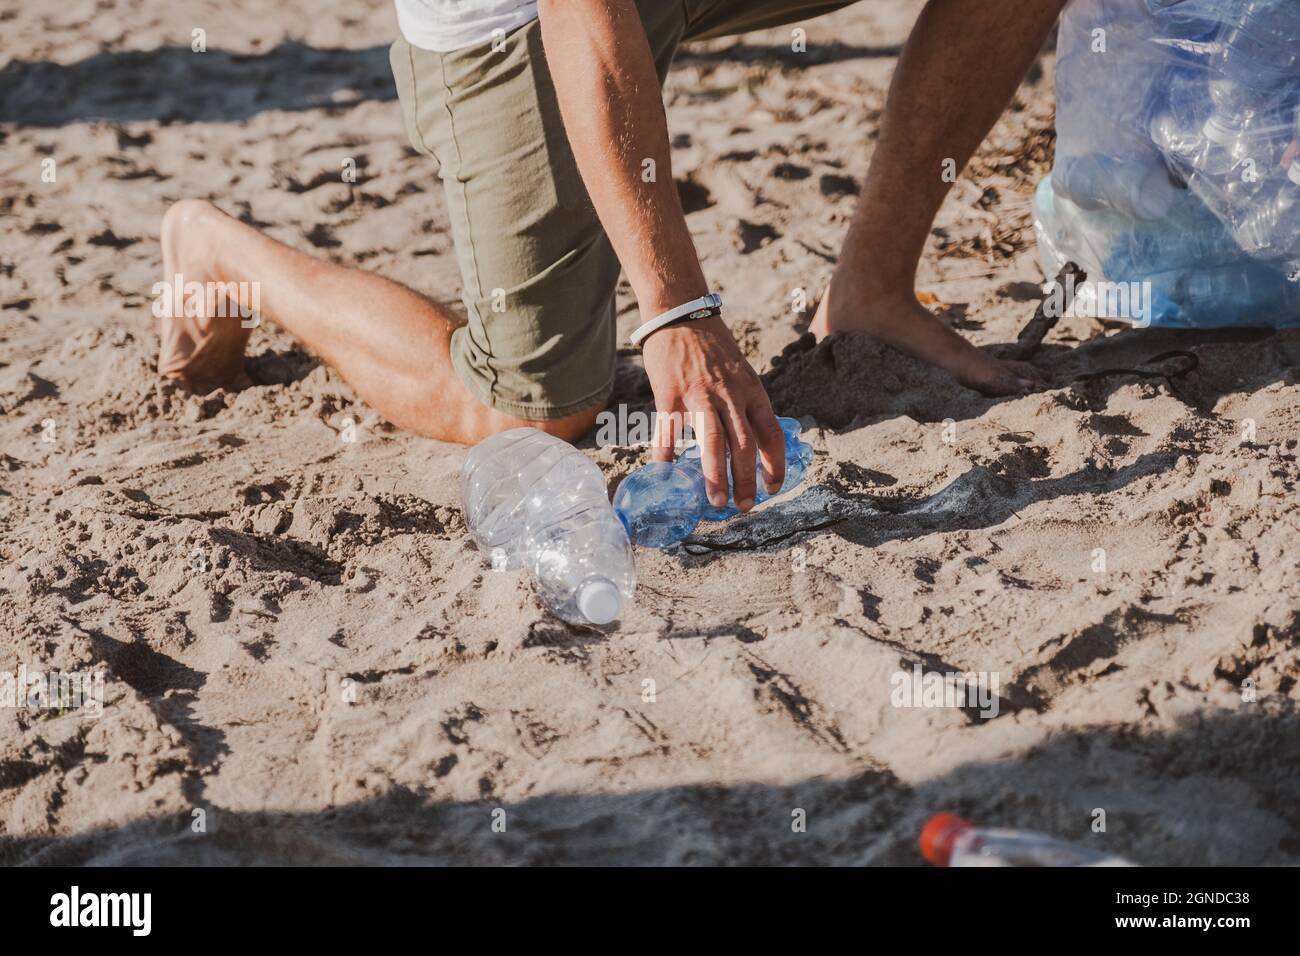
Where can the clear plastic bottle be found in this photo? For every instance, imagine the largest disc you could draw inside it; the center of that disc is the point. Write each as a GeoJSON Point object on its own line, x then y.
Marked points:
{"type": "Point", "coordinates": [948, 840]}
{"type": "Point", "coordinates": [1251, 76]}
{"type": "Point", "coordinates": [1175, 127]}
{"type": "Point", "coordinates": [661, 503]}
{"type": "Point", "coordinates": [1142, 190]}
{"type": "Point", "coordinates": [1259, 55]}
{"type": "Point", "coordinates": [1271, 227]}
{"type": "Point", "coordinates": [581, 565]}
{"type": "Point", "coordinates": [535, 501]}
{"type": "Point", "coordinates": [1100, 164]}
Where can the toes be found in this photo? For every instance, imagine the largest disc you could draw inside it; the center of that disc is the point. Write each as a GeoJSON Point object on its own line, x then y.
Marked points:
{"type": "Point", "coordinates": [1011, 378]}
{"type": "Point", "coordinates": [1001, 381]}
{"type": "Point", "coordinates": [1027, 371]}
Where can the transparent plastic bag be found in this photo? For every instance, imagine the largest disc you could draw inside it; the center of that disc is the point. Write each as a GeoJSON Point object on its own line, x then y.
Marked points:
{"type": "Point", "coordinates": [1177, 168]}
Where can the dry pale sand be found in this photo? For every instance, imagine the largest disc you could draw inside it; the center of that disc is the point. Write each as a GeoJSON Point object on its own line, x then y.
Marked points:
{"type": "Point", "coordinates": [771, 644]}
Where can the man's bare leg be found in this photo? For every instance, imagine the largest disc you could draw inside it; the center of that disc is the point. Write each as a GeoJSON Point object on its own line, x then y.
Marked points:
{"type": "Point", "coordinates": [389, 343]}
{"type": "Point", "coordinates": [959, 68]}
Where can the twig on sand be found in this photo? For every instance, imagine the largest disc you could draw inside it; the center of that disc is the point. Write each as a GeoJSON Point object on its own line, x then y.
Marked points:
{"type": "Point", "coordinates": [1190, 364]}
{"type": "Point", "coordinates": [1036, 329]}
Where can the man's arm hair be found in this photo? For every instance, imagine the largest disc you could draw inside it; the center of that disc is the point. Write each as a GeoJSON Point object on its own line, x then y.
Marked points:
{"type": "Point", "coordinates": [608, 91]}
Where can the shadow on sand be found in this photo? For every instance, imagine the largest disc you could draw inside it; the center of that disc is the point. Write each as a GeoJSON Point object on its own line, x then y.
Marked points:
{"type": "Point", "coordinates": [1218, 790]}
{"type": "Point", "coordinates": [176, 85]}
{"type": "Point", "coordinates": [173, 84]}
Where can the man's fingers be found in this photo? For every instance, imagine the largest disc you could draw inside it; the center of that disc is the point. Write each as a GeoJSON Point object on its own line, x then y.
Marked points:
{"type": "Point", "coordinates": [667, 424]}
{"type": "Point", "coordinates": [744, 455]}
{"type": "Point", "coordinates": [771, 445]}
{"type": "Point", "coordinates": [713, 452]}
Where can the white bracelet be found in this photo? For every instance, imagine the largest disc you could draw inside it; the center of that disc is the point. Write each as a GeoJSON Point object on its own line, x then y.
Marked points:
{"type": "Point", "coordinates": [704, 302]}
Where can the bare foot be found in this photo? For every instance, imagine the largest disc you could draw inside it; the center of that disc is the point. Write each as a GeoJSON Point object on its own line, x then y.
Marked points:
{"type": "Point", "coordinates": [901, 321]}
{"type": "Point", "coordinates": [202, 344]}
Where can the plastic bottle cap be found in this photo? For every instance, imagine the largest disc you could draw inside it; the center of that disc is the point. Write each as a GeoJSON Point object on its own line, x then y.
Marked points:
{"type": "Point", "coordinates": [938, 834]}
{"type": "Point", "coordinates": [1217, 133]}
{"type": "Point", "coordinates": [599, 601]}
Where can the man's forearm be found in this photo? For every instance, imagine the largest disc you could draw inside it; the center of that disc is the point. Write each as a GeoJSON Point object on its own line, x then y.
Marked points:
{"type": "Point", "coordinates": [609, 97]}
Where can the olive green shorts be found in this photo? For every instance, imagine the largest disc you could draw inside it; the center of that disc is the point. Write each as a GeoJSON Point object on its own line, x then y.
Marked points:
{"type": "Point", "coordinates": [539, 273]}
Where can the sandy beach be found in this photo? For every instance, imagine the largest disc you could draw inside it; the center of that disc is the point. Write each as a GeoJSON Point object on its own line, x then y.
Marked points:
{"type": "Point", "coordinates": [307, 661]}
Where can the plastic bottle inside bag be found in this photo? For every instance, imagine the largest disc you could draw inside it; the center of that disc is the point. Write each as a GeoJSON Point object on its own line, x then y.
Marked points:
{"type": "Point", "coordinates": [1104, 159]}
{"type": "Point", "coordinates": [1212, 87]}
{"type": "Point", "coordinates": [1227, 135]}
{"type": "Point", "coordinates": [1270, 228]}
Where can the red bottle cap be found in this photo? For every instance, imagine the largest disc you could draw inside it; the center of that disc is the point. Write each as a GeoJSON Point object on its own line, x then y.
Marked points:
{"type": "Point", "coordinates": [938, 834]}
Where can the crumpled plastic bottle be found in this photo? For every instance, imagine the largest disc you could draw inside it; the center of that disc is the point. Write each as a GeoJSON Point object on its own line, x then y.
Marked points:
{"type": "Point", "coordinates": [661, 503]}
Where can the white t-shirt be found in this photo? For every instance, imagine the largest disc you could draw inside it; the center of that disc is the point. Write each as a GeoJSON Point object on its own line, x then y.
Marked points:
{"type": "Point", "coordinates": [443, 25]}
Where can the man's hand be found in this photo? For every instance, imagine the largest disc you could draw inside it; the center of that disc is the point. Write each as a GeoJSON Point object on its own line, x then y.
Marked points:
{"type": "Point", "coordinates": [697, 371]}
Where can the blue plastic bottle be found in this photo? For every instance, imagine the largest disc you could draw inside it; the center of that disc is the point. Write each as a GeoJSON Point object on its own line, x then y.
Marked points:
{"type": "Point", "coordinates": [1232, 294]}
{"type": "Point", "coordinates": [661, 503]}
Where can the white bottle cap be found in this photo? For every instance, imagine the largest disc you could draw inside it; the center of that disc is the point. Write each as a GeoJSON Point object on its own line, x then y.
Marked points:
{"type": "Point", "coordinates": [599, 601]}
{"type": "Point", "coordinates": [1218, 133]}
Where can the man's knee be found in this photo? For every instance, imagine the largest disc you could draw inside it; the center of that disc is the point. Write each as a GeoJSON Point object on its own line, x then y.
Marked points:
{"type": "Point", "coordinates": [573, 427]}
